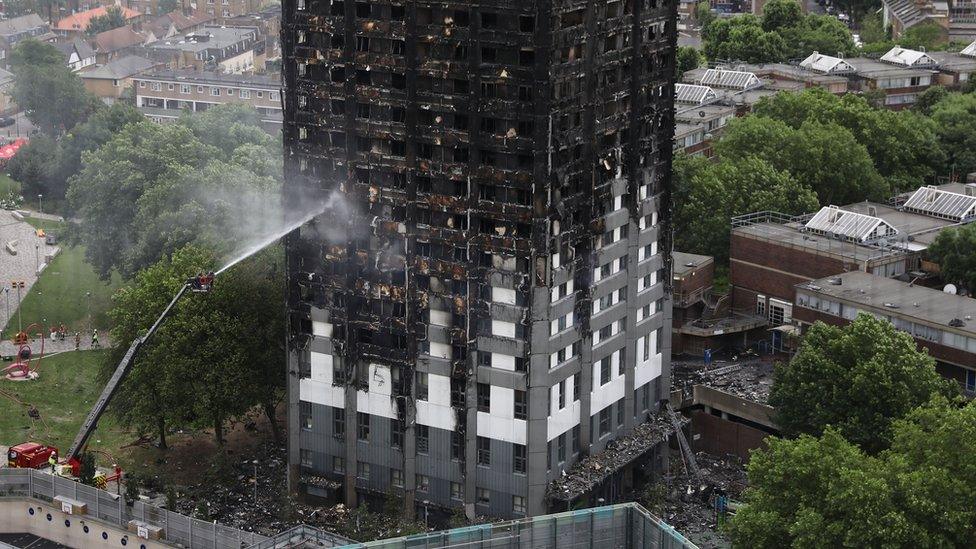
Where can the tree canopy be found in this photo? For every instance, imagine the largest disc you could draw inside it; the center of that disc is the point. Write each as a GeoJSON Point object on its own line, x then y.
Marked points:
{"type": "Point", "coordinates": [112, 19]}
{"type": "Point", "coordinates": [151, 189]}
{"type": "Point", "coordinates": [857, 379]}
{"type": "Point", "coordinates": [708, 195]}
{"type": "Point", "coordinates": [782, 33]}
{"type": "Point", "coordinates": [826, 492]}
{"type": "Point", "coordinates": [822, 156]}
{"type": "Point", "coordinates": [52, 96]}
{"type": "Point", "coordinates": [955, 122]}
{"type": "Point", "coordinates": [903, 146]}
{"type": "Point", "coordinates": [215, 358]}
{"type": "Point", "coordinates": [954, 249]}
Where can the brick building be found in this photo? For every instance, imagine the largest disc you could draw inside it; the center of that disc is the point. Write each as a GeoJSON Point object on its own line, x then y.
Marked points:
{"type": "Point", "coordinates": [940, 322]}
{"type": "Point", "coordinates": [492, 307]}
{"type": "Point", "coordinates": [692, 277]}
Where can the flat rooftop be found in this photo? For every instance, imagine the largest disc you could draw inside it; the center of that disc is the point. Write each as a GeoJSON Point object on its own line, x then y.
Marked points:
{"type": "Point", "coordinates": [269, 81]}
{"type": "Point", "coordinates": [24, 541]}
{"type": "Point", "coordinates": [889, 296]}
{"type": "Point", "coordinates": [751, 380]}
{"type": "Point", "coordinates": [790, 235]}
{"type": "Point", "coordinates": [685, 263]}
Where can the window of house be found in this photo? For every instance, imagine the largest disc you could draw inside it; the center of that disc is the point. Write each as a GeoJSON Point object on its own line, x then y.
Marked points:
{"type": "Point", "coordinates": [457, 445]}
{"type": "Point", "coordinates": [521, 405]}
{"type": "Point", "coordinates": [396, 434]}
{"type": "Point", "coordinates": [484, 451]}
{"type": "Point", "coordinates": [561, 448]}
{"type": "Point", "coordinates": [422, 387]}
{"type": "Point", "coordinates": [273, 96]}
{"type": "Point", "coordinates": [338, 423]}
{"type": "Point", "coordinates": [518, 504]}
{"type": "Point", "coordinates": [185, 88]}
{"type": "Point", "coordinates": [620, 413]}
{"type": "Point", "coordinates": [306, 457]}
{"type": "Point", "coordinates": [604, 370]}
{"type": "Point", "coordinates": [362, 426]}
{"type": "Point", "coordinates": [423, 483]}
{"type": "Point", "coordinates": [423, 439]}
{"type": "Point", "coordinates": [483, 496]}
{"type": "Point", "coordinates": [484, 397]}
{"type": "Point", "coordinates": [658, 340]}
{"type": "Point", "coordinates": [338, 464]}
{"type": "Point", "coordinates": [215, 91]}
{"type": "Point", "coordinates": [156, 86]}
{"type": "Point", "coordinates": [561, 394]}
{"type": "Point", "coordinates": [457, 491]}
{"type": "Point", "coordinates": [142, 84]}
{"type": "Point", "coordinates": [396, 477]}
{"type": "Point", "coordinates": [577, 383]}
{"type": "Point", "coordinates": [171, 87]}
{"type": "Point", "coordinates": [362, 470]}
{"type": "Point", "coordinates": [519, 454]}
{"type": "Point", "coordinates": [576, 439]}
{"type": "Point", "coordinates": [305, 409]}
{"type": "Point", "coordinates": [605, 421]}
{"type": "Point", "coordinates": [245, 94]}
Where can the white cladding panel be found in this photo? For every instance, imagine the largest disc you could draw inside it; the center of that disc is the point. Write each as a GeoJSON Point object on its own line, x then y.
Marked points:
{"type": "Point", "coordinates": [440, 350]}
{"type": "Point", "coordinates": [321, 329]}
{"type": "Point", "coordinates": [503, 295]}
{"type": "Point", "coordinates": [437, 411]}
{"type": "Point", "coordinates": [502, 328]}
{"type": "Point", "coordinates": [440, 318]}
{"type": "Point", "coordinates": [503, 362]}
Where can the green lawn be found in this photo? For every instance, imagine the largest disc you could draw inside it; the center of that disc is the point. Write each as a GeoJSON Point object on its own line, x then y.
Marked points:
{"type": "Point", "coordinates": [60, 294]}
{"type": "Point", "coordinates": [49, 225]}
{"type": "Point", "coordinates": [63, 394]}
{"type": "Point", "coordinates": [8, 185]}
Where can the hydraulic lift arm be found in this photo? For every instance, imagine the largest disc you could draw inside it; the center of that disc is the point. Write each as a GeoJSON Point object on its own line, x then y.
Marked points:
{"type": "Point", "coordinates": [91, 422]}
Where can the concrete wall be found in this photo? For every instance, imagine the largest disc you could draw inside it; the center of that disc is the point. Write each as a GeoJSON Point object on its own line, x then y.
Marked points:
{"type": "Point", "coordinates": [65, 529]}
{"type": "Point", "coordinates": [718, 436]}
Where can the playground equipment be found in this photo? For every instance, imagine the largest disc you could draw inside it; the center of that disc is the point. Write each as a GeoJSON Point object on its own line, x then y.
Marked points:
{"type": "Point", "coordinates": [26, 366]}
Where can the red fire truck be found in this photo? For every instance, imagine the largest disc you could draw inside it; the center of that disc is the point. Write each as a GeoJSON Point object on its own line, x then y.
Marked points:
{"type": "Point", "coordinates": [31, 455]}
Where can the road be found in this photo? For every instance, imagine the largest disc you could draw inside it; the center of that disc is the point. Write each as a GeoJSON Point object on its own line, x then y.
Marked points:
{"type": "Point", "coordinates": [21, 128]}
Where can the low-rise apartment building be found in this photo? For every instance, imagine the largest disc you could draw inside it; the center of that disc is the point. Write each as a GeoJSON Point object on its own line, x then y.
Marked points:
{"type": "Point", "coordinates": [229, 49]}
{"type": "Point", "coordinates": [76, 24]}
{"type": "Point", "coordinates": [955, 18]}
{"type": "Point", "coordinates": [113, 81]}
{"type": "Point", "coordinates": [164, 95]}
{"type": "Point", "coordinates": [771, 254]}
{"type": "Point", "coordinates": [941, 322]}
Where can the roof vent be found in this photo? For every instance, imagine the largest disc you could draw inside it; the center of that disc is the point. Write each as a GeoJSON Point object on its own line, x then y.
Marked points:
{"type": "Point", "coordinates": [970, 189]}
{"type": "Point", "coordinates": [837, 281]}
{"type": "Point", "coordinates": [891, 305]}
{"type": "Point", "coordinates": [873, 211]}
{"type": "Point", "coordinates": [957, 323]}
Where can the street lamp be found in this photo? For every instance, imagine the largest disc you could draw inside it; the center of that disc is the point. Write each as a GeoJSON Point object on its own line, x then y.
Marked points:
{"type": "Point", "coordinates": [39, 208]}
{"type": "Point", "coordinates": [37, 252]}
{"type": "Point", "coordinates": [88, 295]}
{"type": "Point", "coordinates": [6, 319]}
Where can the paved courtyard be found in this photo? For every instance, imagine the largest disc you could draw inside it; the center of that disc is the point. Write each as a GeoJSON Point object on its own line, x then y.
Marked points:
{"type": "Point", "coordinates": [21, 266]}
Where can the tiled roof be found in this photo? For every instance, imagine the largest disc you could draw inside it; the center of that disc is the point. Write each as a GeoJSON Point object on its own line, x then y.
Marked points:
{"type": "Point", "coordinates": [120, 68]}
{"type": "Point", "coordinates": [20, 24]}
{"type": "Point", "coordinates": [117, 39]}
{"type": "Point", "coordinates": [79, 21]}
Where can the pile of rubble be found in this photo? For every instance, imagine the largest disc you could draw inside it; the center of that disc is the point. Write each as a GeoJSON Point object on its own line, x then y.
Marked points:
{"type": "Point", "coordinates": [690, 504]}
{"type": "Point", "coordinates": [593, 470]}
{"type": "Point", "coordinates": [750, 379]}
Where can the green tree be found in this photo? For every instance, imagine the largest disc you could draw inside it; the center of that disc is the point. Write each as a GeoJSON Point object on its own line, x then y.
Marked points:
{"type": "Point", "coordinates": [704, 13]}
{"type": "Point", "coordinates": [955, 121]}
{"type": "Point", "coordinates": [826, 492]}
{"type": "Point", "coordinates": [872, 29]}
{"type": "Point", "coordinates": [86, 471]}
{"type": "Point", "coordinates": [924, 36]}
{"type": "Point", "coordinates": [52, 96]}
{"type": "Point", "coordinates": [821, 155]}
{"type": "Point", "coordinates": [780, 14]}
{"type": "Point", "coordinates": [35, 166]}
{"type": "Point", "coordinates": [168, 6]}
{"type": "Point", "coordinates": [707, 196]}
{"type": "Point", "coordinates": [822, 33]}
{"type": "Point", "coordinates": [742, 39]}
{"type": "Point", "coordinates": [927, 100]}
{"type": "Point", "coordinates": [954, 249]}
{"type": "Point", "coordinates": [112, 19]}
{"type": "Point", "coordinates": [688, 58]}
{"type": "Point", "coordinates": [903, 146]}
{"type": "Point", "coordinates": [217, 356]}
{"type": "Point", "coordinates": [857, 379]}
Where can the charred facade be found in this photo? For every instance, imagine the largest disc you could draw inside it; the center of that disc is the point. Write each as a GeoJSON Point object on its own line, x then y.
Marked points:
{"type": "Point", "coordinates": [490, 303]}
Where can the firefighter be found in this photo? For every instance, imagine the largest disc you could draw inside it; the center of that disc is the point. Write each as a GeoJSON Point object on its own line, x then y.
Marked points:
{"type": "Point", "coordinates": [94, 343]}
{"type": "Point", "coordinates": [53, 461]}
{"type": "Point", "coordinates": [77, 341]}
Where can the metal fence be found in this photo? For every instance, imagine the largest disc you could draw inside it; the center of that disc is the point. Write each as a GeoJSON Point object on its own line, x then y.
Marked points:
{"type": "Point", "coordinates": [112, 509]}
{"type": "Point", "coordinates": [624, 526]}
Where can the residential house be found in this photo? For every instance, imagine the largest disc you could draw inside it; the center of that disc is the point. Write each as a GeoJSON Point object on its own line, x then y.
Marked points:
{"type": "Point", "coordinates": [114, 80]}
{"type": "Point", "coordinates": [956, 68]}
{"type": "Point", "coordinates": [164, 95]}
{"type": "Point", "coordinates": [955, 18]}
{"type": "Point", "coordinates": [117, 43]}
{"type": "Point", "coordinates": [77, 53]}
{"type": "Point", "coordinates": [76, 24]}
{"type": "Point", "coordinates": [231, 49]}
{"type": "Point", "coordinates": [175, 23]}
{"type": "Point", "coordinates": [268, 22]}
{"type": "Point", "coordinates": [18, 28]}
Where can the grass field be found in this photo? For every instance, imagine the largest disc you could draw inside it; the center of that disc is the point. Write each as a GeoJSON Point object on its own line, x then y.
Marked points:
{"type": "Point", "coordinates": [60, 294]}
{"type": "Point", "coordinates": [63, 395]}
{"type": "Point", "coordinates": [8, 185]}
{"type": "Point", "coordinates": [49, 225]}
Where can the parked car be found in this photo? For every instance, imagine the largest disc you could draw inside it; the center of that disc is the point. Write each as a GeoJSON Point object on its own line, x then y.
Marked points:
{"type": "Point", "coordinates": [6, 121]}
